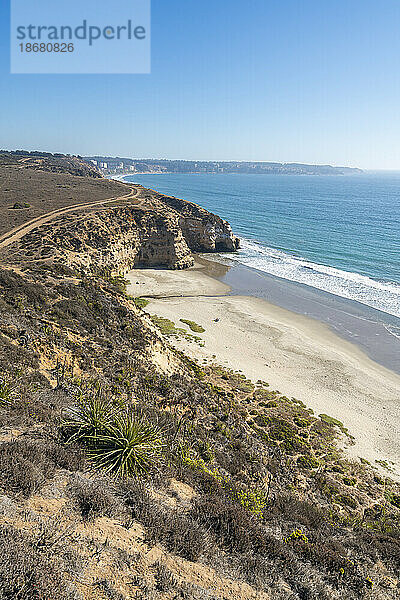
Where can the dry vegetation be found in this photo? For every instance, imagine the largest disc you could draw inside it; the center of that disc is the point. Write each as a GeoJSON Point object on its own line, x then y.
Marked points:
{"type": "Point", "coordinates": [123, 479]}
{"type": "Point", "coordinates": [27, 192]}
{"type": "Point", "coordinates": [236, 489]}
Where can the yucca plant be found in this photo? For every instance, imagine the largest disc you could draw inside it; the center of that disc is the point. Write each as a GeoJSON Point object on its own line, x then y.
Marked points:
{"type": "Point", "coordinates": [6, 396]}
{"type": "Point", "coordinates": [89, 418]}
{"type": "Point", "coordinates": [128, 447]}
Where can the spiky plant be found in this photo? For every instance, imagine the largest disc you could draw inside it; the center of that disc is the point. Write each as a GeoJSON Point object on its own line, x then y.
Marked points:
{"type": "Point", "coordinates": [128, 447]}
{"type": "Point", "coordinates": [6, 396]}
{"type": "Point", "coordinates": [89, 418]}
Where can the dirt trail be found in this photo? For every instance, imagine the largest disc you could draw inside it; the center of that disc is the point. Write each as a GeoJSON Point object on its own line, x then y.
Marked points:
{"type": "Point", "coordinates": [18, 232]}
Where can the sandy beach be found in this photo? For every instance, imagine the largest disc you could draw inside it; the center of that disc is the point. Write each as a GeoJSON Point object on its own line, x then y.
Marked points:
{"type": "Point", "coordinates": [297, 355]}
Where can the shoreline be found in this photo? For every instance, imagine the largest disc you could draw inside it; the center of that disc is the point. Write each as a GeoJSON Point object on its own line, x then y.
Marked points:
{"type": "Point", "coordinates": [359, 301]}
{"type": "Point", "coordinates": [298, 355]}
{"type": "Point", "coordinates": [369, 329]}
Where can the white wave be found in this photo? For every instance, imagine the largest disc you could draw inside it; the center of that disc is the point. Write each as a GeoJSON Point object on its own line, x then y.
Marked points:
{"type": "Point", "coordinates": [395, 331]}
{"type": "Point", "coordinates": [384, 296]}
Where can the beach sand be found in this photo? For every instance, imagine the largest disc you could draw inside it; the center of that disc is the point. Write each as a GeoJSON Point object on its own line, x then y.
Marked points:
{"type": "Point", "coordinates": [296, 355]}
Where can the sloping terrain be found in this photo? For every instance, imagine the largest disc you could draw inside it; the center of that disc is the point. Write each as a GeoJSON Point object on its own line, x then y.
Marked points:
{"type": "Point", "coordinates": [27, 193]}
{"type": "Point", "coordinates": [81, 220]}
{"type": "Point", "coordinates": [129, 471]}
{"type": "Point", "coordinates": [48, 162]}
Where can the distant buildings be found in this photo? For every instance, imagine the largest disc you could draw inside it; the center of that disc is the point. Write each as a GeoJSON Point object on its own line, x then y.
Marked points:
{"type": "Point", "coordinates": [117, 165]}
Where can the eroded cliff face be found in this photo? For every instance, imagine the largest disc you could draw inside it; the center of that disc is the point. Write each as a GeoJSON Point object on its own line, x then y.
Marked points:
{"type": "Point", "coordinates": [208, 234]}
{"type": "Point", "coordinates": [120, 238]}
{"type": "Point", "coordinates": [203, 231]}
{"type": "Point", "coordinates": [115, 239]}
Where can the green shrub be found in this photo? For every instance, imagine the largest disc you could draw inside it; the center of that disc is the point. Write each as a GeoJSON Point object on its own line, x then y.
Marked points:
{"type": "Point", "coordinates": [21, 205]}
{"type": "Point", "coordinates": [140, 302]}
{"type": "Point", "coordinates": [332, 421]}
{"type": "Point", "coordinates": [91, 415]}
{"type": "Point", "coordinates": [307, 462]}
{"type": "Point", "coordinates": [118, 282]}
{"type": "Point", "coordinates": [5, 393]}
{"type": "Point", "coordinates": [349, 481]}
{"type": "Point", "coordinates": [346, 500]}
{"type": "Point", "coordinates": [126, 447]}
{"type": "Point", "coordinates": [252, 500]}
{"type": "Point", "coordinates": [193, 326]}
{"type": "Point", "coordinates": [300, 422]}
{"type": "Point", "coordinates": [166, 326]}
{"type": "Point", "coordinates": [394, 499]}
{"type": "Point", "coordinates": [260, 420]}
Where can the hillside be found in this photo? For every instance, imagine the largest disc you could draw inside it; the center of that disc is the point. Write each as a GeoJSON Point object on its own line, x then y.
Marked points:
{"type": "Point", "coordinates": [48, 162]}
{"type": "Point", "coordinates": [129, 471]}
{"type": "Point", "coordinates": [27, 190]}
{"type": "Point", "coordinates": [115, 165]}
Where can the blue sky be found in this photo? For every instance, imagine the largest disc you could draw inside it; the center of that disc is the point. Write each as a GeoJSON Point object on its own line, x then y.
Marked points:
{"type": "Point", "coordinates": [301, 80]}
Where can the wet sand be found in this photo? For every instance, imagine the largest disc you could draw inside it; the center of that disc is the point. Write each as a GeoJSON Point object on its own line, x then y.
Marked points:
{"type": "Point", "coordinates": [299, 356]}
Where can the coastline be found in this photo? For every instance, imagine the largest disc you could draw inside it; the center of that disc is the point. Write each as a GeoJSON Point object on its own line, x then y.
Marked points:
{"type": "Point", "coordinates": [296, 354]}
{"type": "Point", "coordinates": [371, 330]}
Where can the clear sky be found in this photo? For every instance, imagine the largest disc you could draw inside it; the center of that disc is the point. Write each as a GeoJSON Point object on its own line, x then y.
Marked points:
{"type": "Point", "coordinates": [312, 81]}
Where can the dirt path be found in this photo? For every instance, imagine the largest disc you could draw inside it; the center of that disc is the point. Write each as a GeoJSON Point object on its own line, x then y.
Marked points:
{"type": "Point", "coordinates": [18, 232]}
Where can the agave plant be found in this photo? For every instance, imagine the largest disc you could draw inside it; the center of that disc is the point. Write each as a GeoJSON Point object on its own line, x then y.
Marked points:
{"type": "Point", "coordinates": [127, 447]}
{"type": "Point", "coordinates": [89, 418]}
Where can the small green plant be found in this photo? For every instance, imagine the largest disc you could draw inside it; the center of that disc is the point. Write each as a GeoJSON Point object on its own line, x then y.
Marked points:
{"type": "Point", "coordinates": [5, 393]}
{"type": "Point", "coordinates": [346, 500]}
{"type": "Point", "coordinates": [192, 459]}
{"type": "Point", "coordinates": [166, 326]}
{"type": "Point", "coordinates": [297, 534]}
{"type": "Point", "coordinates": [307, 462]}
{"type": "Point", "coordinates": [117, 281]}
{"type": "Point", "coordinates": [300, 422]}
{"type": "Point", "coordinates": [91, 415]}
{"type": "Point", "coordinates": [205, 451]}
{"type": "Point", "coordinates": [140, 302]}
{"type": "Point", "coordinates": [349, 481]}
{"type": "Point", "coordinates": [193, 326]}
{"type": "Point", "coordinates": [332, 421]}
{"type": "Point", "coordinates": [21, 205]}
{"type": "Point", "coordinates": [394, 499]}
{"type": "Point", "coordinates": [253, 500]}
{"type": "Point", "coordinates": [126, 447]}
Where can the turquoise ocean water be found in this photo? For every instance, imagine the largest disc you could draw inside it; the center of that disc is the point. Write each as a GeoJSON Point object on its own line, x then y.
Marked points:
{"type": "Point", "coordinates": [334, 233]}
{"type": "Point", "coordinates": [327, 247]}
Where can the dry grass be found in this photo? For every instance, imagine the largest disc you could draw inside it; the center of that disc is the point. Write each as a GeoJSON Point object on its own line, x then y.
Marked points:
{"type": "Point", "coordinates": [256, 512]}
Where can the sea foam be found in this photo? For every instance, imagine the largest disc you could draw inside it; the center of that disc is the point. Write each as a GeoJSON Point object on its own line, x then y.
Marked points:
{"type": "Point", "coordinates": [382, 295]}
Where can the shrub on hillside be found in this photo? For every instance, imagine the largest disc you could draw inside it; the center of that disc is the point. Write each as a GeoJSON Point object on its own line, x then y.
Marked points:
{"type": "Point", "coordinates": [26, 464]}
{"type": "Point", "coordinates": [93, 498]}
{"type": "Point", "coordinates": [128, 446]}
{"type": "Point", "coordinates": [26, 573]}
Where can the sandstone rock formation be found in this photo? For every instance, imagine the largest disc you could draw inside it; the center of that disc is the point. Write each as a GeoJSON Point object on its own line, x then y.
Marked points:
{"type": "Point", "coordinates": [203, 231]}
{"type": "Point", "coordinates": [163, 232]}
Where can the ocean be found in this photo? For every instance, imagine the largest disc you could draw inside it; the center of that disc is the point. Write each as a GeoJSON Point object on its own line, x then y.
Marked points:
{"type": "Point", "coordinates": [337, 235]}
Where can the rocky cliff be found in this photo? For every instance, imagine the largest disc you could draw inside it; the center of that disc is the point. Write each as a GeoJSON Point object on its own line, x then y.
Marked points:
{"type": "Point", "coordinates": [203, 231]}
{"type": "Point", "coordinates": [127, 470]}
{"type": "Point", "coordinates": [154, 231]}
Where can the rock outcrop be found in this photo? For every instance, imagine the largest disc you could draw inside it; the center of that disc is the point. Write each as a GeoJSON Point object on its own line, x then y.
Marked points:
{"type": "Point", "coordinates": [203, 231]}
{"type": "Point", "coordinates": [119, 238]}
